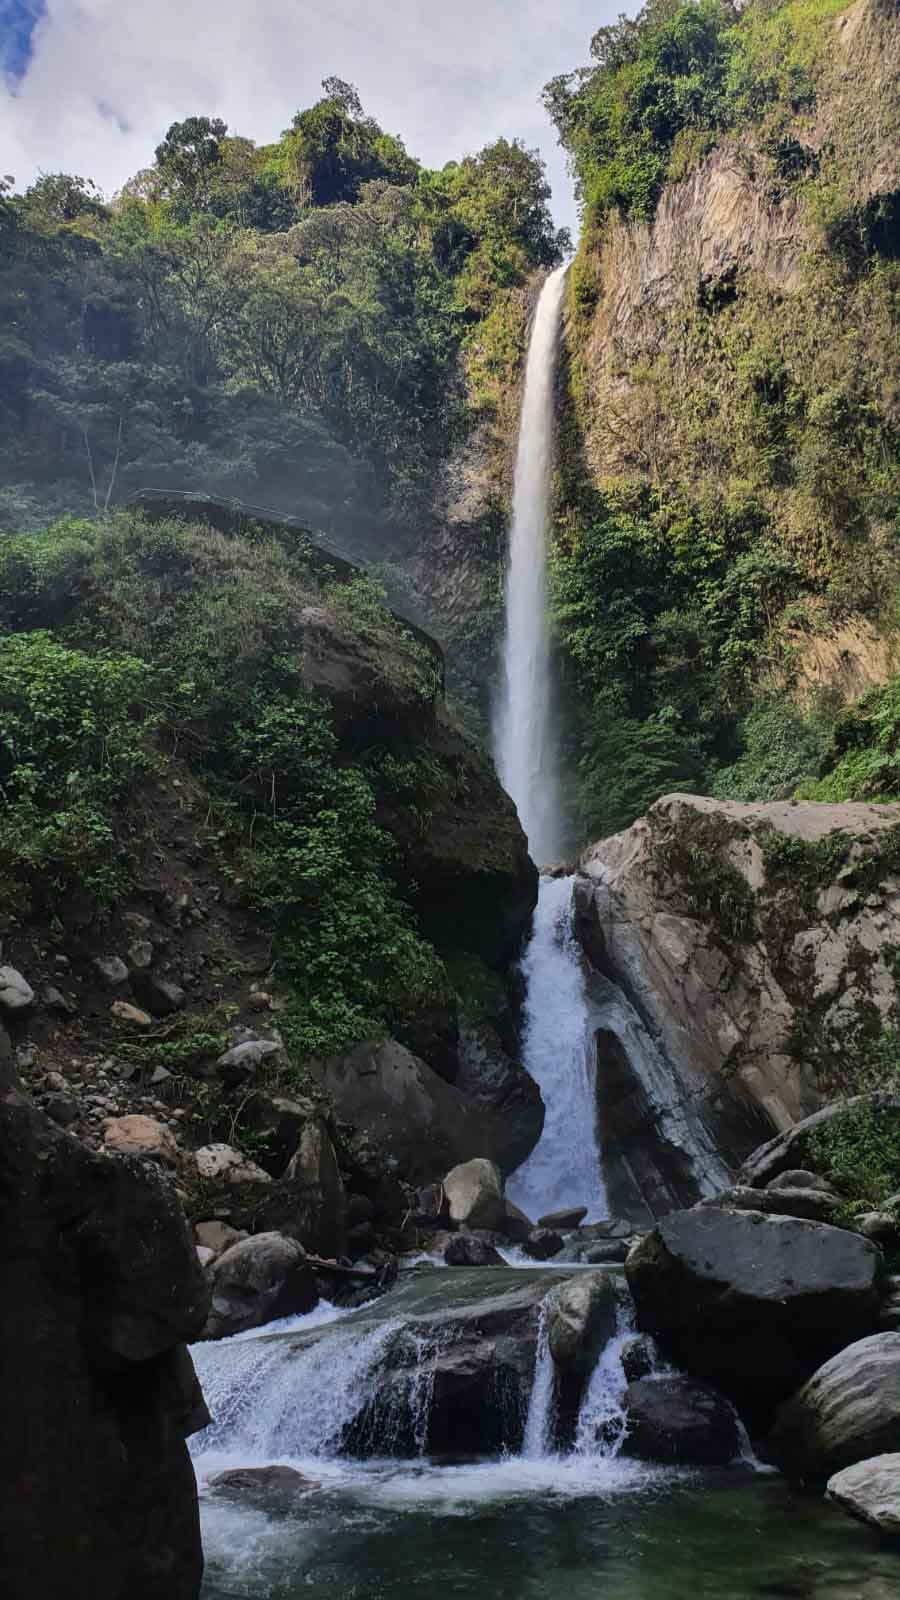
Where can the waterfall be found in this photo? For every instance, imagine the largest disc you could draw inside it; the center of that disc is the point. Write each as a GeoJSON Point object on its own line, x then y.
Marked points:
{"type": "Point", "coordinates": [524, 744]}
{"type": "Point", "coordinates": [563, 1170]}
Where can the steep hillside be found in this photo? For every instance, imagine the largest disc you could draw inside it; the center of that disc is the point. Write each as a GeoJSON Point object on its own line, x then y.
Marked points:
{"type": "Point", "coordinates": [243, 840]}
{"type": "Point", "coordinates": [729, 479]}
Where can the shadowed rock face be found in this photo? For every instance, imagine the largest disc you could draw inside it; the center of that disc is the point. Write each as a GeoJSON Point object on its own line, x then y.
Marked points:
{"type": "Point", "coordinates": [101, 1286]}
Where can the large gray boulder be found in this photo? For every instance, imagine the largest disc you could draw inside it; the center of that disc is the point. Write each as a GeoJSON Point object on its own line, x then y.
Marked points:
{"type": "Point", "coordinates": [264, 1277]}
{"type": "Point", "coordinates": [816, 1205]}
{"type": "Point", "coordinates": [675, 1420]}
{"type": "Point", "coordinates": [726, 946]}
{"type": "Point", "coordinates": [753, 1303]}
{"type": "Point", "coordinates": [849, 1410]}
{"type": "Point", "coordinates": [416, 1124]}
{"type": "Point", "coordinates": [870, 1490]}
{"type": "Point", "coordinates": [474, 1192]}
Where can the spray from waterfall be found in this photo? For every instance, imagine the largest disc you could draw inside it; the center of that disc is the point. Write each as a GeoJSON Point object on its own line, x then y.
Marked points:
{"type": "Point", "coordinates": [524, 742]}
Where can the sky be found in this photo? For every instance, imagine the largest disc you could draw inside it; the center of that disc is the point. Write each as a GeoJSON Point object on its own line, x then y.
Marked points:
{"type": "Point", "coordinates": [90, 86]}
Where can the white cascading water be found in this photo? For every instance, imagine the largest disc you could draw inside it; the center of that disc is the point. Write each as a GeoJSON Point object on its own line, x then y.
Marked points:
{"type": "Point", "coordinates": [524, 744]}
{"type": "Point", "coordinates": [563, 1169]}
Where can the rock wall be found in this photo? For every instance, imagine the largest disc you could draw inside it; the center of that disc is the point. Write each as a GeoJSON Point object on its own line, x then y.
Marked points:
{"type": "Point", "coordinates": [757, 943]}
{"type": "Point", "coordinates": [101, 1287]}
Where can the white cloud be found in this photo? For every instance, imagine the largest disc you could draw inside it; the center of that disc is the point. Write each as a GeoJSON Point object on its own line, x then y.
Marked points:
{"type": "Point", "coordinates": [107, 77]}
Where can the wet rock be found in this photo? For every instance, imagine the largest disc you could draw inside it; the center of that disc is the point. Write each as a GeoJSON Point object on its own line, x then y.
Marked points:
{"type": "Point", "coordinates": [870, 1490]}
{"type": "Point", "coordinates": [848, 1411]}
{"type": "Point", "coordinates": [515, 1225]}
{"type": "Point", "coordinates": [217, 1236]}
{"type": "Point", "coordinates": [638, 1358]}
{"type": "Point", "coordinates": [612, 1254]}
{"type": "Point", "coordinates": [679, 1422]}
{"type": "Point", "coordinates": [753, 1303]}
{"type": "Point", "coordinates": [275, 1489]}
{"type": "Point", "coordinates": [466, 1250]}
{"type": "Point", "coordinates": [130, 1016]}
{"type": "Point", "coordinates": [16, 994]}
{"type": "Point", "coordinates": [140, 1136]}
{"type": "Point", "coordinates": [261, 1278]}
{"type": "Point", "coordinates": [222, 1163]}
{"type": "Point", "coordinates": [160, 996]}
{"type": "Point", "coordinates": [493, 1081]}
{"type": "Point", "coordinates": [582, 1320]}
{"type": "Point", "coordinates": [560, 1221]}
{"type": "Point", "coordinates": [474, 1194]}
{"type": "Point", "coordinates": [542, 1244]}
{"type": "Point", "coordinates": [112, 970]}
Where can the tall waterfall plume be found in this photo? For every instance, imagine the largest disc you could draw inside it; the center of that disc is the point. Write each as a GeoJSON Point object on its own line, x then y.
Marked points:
{"type": "Point", "coordinates": [524, 742]}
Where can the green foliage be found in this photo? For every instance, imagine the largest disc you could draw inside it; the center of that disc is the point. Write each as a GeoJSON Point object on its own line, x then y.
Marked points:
{"type": "Point", "coordinates": [781, 747]}
{"type": "Point", "coordinates": [864, 757]}
{"type": "Point", "coordinates": [860, 1149]}
{"type": "Point", "coordinates": [693, 851]}
{"type": "Point", "coordinates": [74, 736]}
{"type": "Point", "coordinates": [280, 323]}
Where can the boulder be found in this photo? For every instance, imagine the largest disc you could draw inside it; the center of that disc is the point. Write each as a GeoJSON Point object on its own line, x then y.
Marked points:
{"type": "Point", "coordinates": [242, 1061]}
{"type": "Point", "coordinates": [638, 1358]}
{"type": "Point", "coordinates": [679, 1422]}
{"type": "Point", "coordinates": [278, 1121]}
{"type": "Point", "coordinates": [506, 1100]}
{"type": "Point", "coordinates": [797, 1178]}
{"type": "Point", "coordinates": [218, 1163]}
{"type": "Point", "coordinates": [309, 1203]}
{"type": "Point", "coordinates": [217, 1236]}
{"type": "Point", "coordinates": [101, 1287]}
{"type": "Point", "coordinates": [415, 1124]}
{"type": "Point", "coordinates": [16, 995]}
{"type": "Point", "coordinates": [789, 1150]}
{"type": "Point", "coordinates": [882, 1226]}
{"type": "Point", "coordinates": [753, 1303]}
{"type": "Point", "coordinates": [611, 1254]}
{"type": "Point", "coordinates": [870, 1490]}
{"type": "Point", "coordinates": [515, 1225]}
{"type": "Point", "coordinates": [205, 1256]}
{"type": "Point", "coordinates": [252, 1283]}
{"type": "Point", "coordinates": [560, 1221]}
{"type": "Point", "coordinates": [724, 980]}
{"type": "Point", "coordinates": [582, 1319]}
{"type": "Point", "coordinates": [474, 1194]}
{"type": "Point", "coordinates": [467, 1250]}
{"type": "Point", "coordinates": [542, 1244]}
{"type": "Point", "coordinates": [849, 1410]}
{"type": "Point", "coordinates": [140, 1136]}
{"type": "Point", "coordinates": [273, 1489]}
{"type": "Point", "coordinates": [816, 1205]}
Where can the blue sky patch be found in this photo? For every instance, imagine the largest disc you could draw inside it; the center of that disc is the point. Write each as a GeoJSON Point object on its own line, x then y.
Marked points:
{"type": "Point", "coordinates": [18, 19]}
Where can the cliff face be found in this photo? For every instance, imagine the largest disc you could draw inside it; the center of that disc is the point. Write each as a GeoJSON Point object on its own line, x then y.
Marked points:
{"type": "Point", "coordinates": [728, 480]}
{"type": "Point", "coordinates": [758, 945]}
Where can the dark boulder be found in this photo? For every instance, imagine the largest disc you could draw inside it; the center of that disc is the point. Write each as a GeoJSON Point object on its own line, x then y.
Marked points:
{"type": "Point", "coordinates": [101, 1287]}
{"type": "Point", "coordinates": [638, 1358]}
{"type": "Point", "coordinates": [542, 1244]}
{"type": "Point", "coordinates": [264, 1277]}
{"type": "Point", "coordinates": [467, 1250]}
{"type": "Point", "coordinates": [679, 1422]}
{"type": "Point", "coordinates": [309, 1203]}
{"type": "Point", "coordinates": [563, 1220]}
{"type": "Point", "coordinates": [276, 1489]}
{"type": "Point", "coordinates": [816, 1205]}
{"type": "Point", "coordinates": [753, 1303]}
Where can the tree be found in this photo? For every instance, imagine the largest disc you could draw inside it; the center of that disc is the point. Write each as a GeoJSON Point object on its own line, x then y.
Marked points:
{"type": "Point", "coordinates": [187, 160]}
